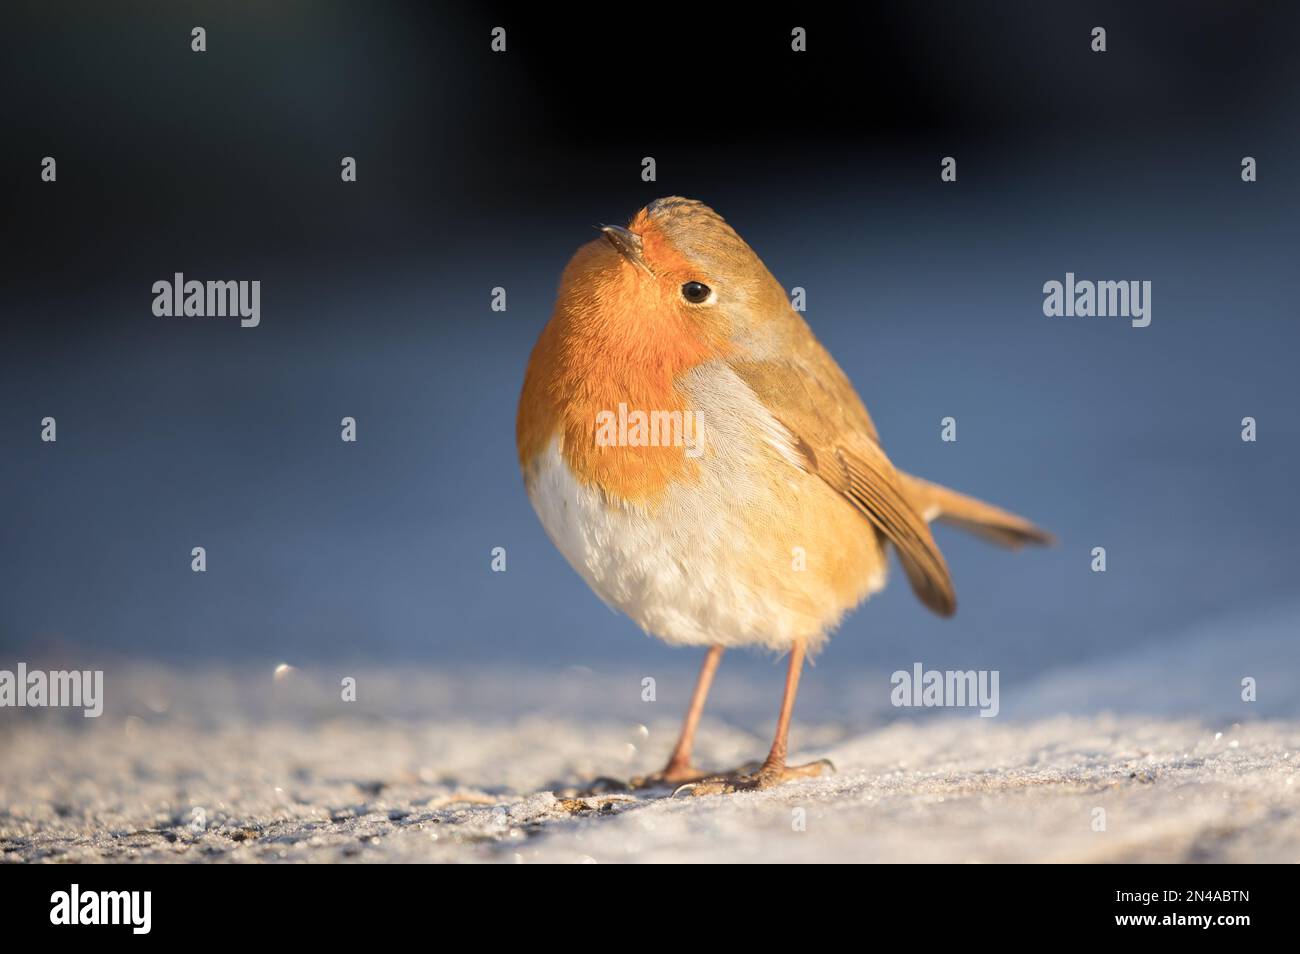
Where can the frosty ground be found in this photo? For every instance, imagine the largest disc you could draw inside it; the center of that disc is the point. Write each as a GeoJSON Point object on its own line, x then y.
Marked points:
{"type": "Point", "coordinates": [239, 765]}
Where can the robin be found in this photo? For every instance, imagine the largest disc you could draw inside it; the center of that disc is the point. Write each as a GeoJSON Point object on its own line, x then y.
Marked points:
{"type": "Point", "coordinates": [706, 466]}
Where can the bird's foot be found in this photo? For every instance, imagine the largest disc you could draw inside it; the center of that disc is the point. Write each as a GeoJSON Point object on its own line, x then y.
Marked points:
{"type": "Point", "coordinates": [672, 776]}
{"type": "Point", "coordinates": [767, 776]}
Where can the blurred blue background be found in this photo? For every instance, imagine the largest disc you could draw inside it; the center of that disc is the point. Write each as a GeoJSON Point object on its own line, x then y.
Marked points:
{"type": "Point", "coordinates": [478, 170]}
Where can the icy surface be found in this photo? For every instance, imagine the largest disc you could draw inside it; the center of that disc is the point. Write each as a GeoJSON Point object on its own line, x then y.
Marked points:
{"type": "Point", "coordinates": [242, 766]}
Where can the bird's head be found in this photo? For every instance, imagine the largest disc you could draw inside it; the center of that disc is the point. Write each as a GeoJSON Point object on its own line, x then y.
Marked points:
{"type": "Point", "coordinates": [677, 270]}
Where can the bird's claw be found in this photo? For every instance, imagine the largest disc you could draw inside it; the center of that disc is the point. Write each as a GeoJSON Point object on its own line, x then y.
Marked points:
{"type": "Point", "coordinates": [766, 777]}
{"type": "Point", "coordinates": [671, 777]}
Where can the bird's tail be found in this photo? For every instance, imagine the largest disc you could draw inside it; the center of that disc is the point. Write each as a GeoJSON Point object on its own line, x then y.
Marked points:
{"type": "Point", "coordinates": [985, 520]}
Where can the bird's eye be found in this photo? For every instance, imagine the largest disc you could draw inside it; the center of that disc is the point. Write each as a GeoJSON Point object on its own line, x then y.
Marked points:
{"type": "Point", "coordinates": [696, 292]}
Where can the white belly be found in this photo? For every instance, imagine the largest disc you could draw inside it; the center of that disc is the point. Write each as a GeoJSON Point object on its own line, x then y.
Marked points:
{"type": "Point", "coordinates": [664, 570]}
{"type": "Point", "coordinates": [685, 569]}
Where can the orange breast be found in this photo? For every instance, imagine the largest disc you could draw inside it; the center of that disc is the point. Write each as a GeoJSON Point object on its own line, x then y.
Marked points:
{"type": "Point", "coordinates": [615, 338]}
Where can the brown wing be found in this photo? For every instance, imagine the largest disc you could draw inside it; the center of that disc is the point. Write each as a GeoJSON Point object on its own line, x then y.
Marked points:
{"type": "Point", "coordinates": [809, 394]}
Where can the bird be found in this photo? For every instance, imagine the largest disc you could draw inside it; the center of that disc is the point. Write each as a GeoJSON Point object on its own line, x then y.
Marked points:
{"type": "Point", "coordinates": [705, 465]}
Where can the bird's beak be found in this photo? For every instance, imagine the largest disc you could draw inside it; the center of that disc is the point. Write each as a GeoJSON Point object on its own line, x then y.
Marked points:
{"type": "Point", "coordinates": [627, 243]}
